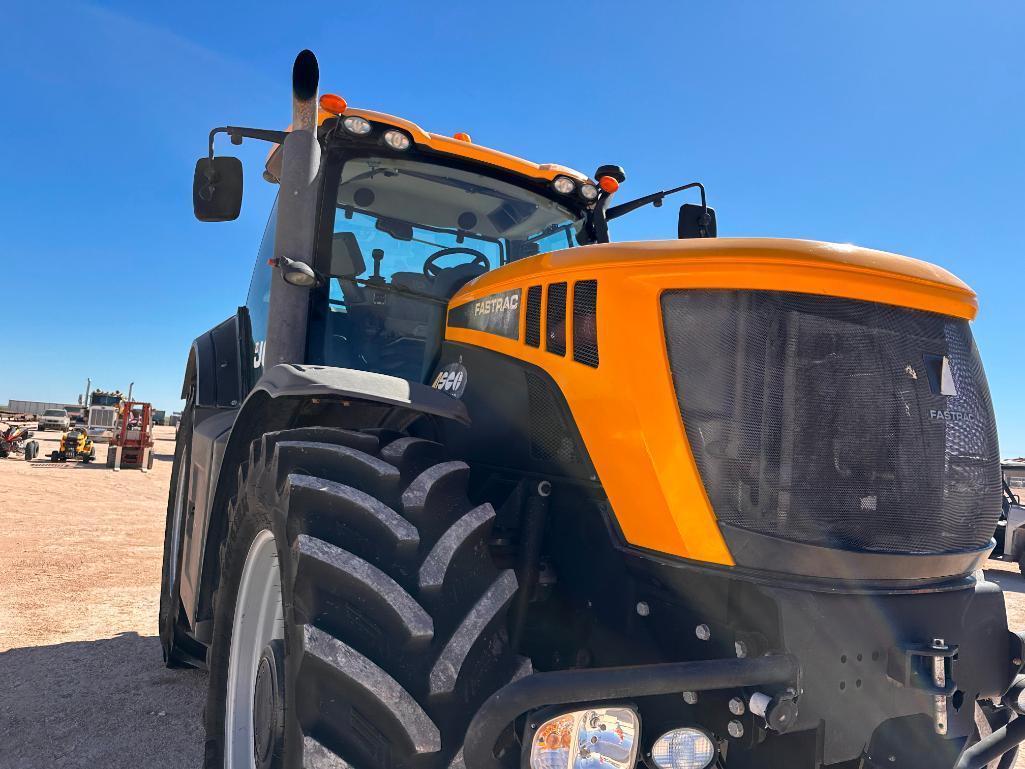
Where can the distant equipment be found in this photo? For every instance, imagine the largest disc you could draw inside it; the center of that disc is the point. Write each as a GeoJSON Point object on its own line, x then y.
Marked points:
{"type": "Point", "coordinates": [74, 444]}
{"type": "Point", "coordinates": [104, 408]}
{"type": "Point", "coordinates": [132, 444]}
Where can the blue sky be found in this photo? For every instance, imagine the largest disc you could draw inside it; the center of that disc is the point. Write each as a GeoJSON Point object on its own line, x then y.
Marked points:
{"type": "Point", "coordinates": [891, 125]}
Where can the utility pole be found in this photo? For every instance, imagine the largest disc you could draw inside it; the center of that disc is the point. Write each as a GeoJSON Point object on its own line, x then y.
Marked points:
{"type": "Point", "coordinates": [88, 385]}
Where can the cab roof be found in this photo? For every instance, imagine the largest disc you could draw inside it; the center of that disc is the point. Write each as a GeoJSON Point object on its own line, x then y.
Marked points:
{"type": "Point", "coordinates": [447, 145]}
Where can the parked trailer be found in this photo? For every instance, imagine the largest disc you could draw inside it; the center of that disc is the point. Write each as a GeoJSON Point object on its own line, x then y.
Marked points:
{"type": "Point", "coordinates": [35, 408]}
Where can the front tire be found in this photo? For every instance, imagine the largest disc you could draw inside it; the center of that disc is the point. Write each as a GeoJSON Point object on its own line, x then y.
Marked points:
{"type": "Point", "coordinates": [393, 614]}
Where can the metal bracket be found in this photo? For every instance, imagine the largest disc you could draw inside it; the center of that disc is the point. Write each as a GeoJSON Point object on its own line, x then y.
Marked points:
{"type": "Point", "coordinates": [913, 666]}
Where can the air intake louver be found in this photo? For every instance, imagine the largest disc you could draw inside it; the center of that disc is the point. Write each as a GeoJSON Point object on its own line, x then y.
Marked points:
{"type": "Point", "coordinates": [533, 330]}
{"type": "Point", "coordinates": [585, 322]}
{"type": "Point", "coordinates": [555, 319]}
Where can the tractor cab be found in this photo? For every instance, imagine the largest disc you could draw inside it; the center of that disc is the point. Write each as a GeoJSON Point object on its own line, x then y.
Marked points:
{"type": "Point", "coordinates": [406, 235]}
{"type": "Point", "coordinates": [406, 219]}
{"type": "Point", "coordinates": [403, 219]}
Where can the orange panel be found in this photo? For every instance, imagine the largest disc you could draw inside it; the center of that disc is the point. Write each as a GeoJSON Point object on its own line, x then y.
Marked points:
{"type": "Point", "coordinates": [626, 409]}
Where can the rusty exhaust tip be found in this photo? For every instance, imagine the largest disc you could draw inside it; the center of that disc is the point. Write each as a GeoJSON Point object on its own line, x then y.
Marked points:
{"type": "Point", "coordinates": [305, 76]}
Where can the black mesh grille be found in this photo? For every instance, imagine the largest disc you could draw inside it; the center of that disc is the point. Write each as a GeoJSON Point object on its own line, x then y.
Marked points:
{"type": "Point", "coordinates": [585, 322]}
{"type": "Point", "coordinates": [550, 439]}
{"type": "Point", "coordinates": [814, 419]}
{"type": "Point", "coordinates": [555, 319]}
{"type": "Point", "coordinates": [532, 333]}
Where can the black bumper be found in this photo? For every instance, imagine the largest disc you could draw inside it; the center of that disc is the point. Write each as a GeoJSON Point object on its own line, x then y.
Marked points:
{"type": "Point", "coordinates": [860, 662]}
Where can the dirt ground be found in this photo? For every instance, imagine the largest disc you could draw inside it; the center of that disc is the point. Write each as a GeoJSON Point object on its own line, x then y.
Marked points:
{"type": "Point", "coordinates": [82, 683]}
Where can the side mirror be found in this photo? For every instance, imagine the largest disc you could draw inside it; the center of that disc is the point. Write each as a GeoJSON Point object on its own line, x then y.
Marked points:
{"type": "Point", "coordinates": [696, 221]}
{"type": "Point", "coordinates": [217, 189]}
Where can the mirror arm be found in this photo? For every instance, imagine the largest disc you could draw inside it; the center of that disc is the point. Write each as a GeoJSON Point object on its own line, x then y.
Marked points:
{"type": "Point", "coordinates": [596, 221]}
{"type": "Point", "coordinates": [655, 198]}
{"type": "Point", "coordinates": [238, 133]}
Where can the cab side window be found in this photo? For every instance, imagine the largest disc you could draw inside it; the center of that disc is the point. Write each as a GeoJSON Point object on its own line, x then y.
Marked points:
{"type": "Point", "coordinates": [258, 300]}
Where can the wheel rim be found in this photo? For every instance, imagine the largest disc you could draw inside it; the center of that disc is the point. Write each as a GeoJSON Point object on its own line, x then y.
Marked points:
{"type": "Point", "coordinates": [258, 621]}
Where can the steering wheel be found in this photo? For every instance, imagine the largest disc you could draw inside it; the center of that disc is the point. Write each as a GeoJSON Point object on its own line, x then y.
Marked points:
{"type": "Point", "coordinates": [431, 270]}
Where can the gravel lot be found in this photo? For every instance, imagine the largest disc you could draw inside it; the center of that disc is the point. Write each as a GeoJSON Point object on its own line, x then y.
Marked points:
{"type": "Point", "coordinates": [82, 683]}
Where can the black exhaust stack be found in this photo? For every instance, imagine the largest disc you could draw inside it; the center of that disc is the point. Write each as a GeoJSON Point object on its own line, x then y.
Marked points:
{"type": "Point", "coordinates": [297, 215]}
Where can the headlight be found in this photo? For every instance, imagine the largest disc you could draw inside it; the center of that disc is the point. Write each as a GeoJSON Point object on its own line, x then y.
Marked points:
{"type": "Point", "coordinates": [563, 185]}
{"type": "Point", "coordinates": [587, 738]}
{"type": "Point", "coordinates": [683, 749]}
{"type": "Point", "coordinates": [588, 192]}
{"type": "Point", "coordinates": [356, 125]}
{"type": "Point", "coordinates": [396, 140]}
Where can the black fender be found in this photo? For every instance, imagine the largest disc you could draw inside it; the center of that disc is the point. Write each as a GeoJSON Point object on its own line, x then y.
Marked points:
{"type": "Point", "coordinates": [218, 373]}
{"type": "Point", "coordinates": [217, 376]}
{"type": "Point", "coordinates": [288, 395]}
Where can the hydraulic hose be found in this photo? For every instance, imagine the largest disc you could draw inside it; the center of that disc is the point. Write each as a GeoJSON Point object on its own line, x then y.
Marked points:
{"type": "Point", "coordinates": [990, 748]}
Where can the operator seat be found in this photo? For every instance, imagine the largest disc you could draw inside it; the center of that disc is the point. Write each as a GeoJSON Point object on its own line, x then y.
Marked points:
{"type": "Point", "coordinates": [451, 279]}
{"type": "Point", "coordinates": [347, 262]}
{"type": "Point", "coordinates": [420, 321]}
{"type": "Point", "coordinates": [413, 316]}
{"type": "Point", "coordinates": [409, 316]}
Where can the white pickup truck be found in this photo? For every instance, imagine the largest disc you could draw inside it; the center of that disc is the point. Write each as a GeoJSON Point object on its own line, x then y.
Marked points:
{"type": "Point", "coordinates": [54, 419]}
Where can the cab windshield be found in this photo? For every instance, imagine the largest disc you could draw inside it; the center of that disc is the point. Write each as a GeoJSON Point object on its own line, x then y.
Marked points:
{"type": "Point", "coordinates": [505, 221]}
{"type": "Point", "coordinates": [406, 236]}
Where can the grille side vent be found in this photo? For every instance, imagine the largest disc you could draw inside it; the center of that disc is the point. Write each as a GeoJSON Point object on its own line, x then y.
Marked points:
{"type": "Point", "coordinates": [532, 334]}
{"type": "Point", "coordinates": [550, 438]}
{"type": "Point", "coordinates": [585, 322]}
{"type": "Point", "coordinates": [555, 319]}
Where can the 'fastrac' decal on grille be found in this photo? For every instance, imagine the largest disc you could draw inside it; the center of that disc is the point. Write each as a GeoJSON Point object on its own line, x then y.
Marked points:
{"type": "Point", "coordinates": [494, 314]}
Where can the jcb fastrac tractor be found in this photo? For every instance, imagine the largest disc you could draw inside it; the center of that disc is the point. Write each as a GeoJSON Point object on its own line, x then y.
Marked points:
{"type": "Point", "coordinates": [464, 484]}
